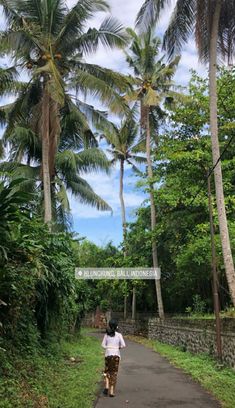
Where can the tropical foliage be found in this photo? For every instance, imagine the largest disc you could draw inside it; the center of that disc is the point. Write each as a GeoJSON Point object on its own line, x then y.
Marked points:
{"type": "Point", "coordinates": [51, 41]}
{"type": "Point", "coordinates": [213, 27]}
{"type": "Point", "coordinates": [153, 80]}
{"type": "Point", "coordinates": [181, 165]}
{"type": "Point", "coordinates": [54, 136]}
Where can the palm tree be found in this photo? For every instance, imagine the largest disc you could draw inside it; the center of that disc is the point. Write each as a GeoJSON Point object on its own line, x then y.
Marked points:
{"type": "Point", "coordinates": [69, 178]}
{"type": "Point", "coordinates": [50, 40]}
{"type": "Point", "coordinates": [124, 141]}
{"type": "Point", "coordinates": [153, 81]}
{"type": "Point", "coordinates": [212, 24]}
{"type": "Point", "coordinates": [77, 154]}
{"type": "Point", "coordinates": [125, 146]}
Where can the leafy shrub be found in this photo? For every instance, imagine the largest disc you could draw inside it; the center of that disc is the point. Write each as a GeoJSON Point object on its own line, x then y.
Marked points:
{"type": "Point", "coordinates": [40, 298]}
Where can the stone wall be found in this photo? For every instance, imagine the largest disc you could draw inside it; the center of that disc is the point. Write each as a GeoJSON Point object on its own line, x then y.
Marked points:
{"type": "Point", "coordinates": [196, 336]}
{"type": "Point", "coordinates": [97, 319]}
{"type": "Point", "coordinates": [133, 327]}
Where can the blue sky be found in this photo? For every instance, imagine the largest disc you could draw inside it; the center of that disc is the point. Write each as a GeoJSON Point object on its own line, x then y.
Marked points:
{"type": "Point", "coordinates": [101, 227]}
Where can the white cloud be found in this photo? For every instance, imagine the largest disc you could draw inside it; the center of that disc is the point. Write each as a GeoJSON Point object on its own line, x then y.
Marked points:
{"type": "Point", "coordinates": [108, 188]}
{"type": "Point", "coordinates": [105, 186]}
{"type": "Point", "coordinates": [126, 11]}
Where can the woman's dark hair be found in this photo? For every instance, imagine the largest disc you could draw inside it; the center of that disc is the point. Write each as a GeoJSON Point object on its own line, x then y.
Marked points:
{"type": "Point", "coordinates": [113, 324]}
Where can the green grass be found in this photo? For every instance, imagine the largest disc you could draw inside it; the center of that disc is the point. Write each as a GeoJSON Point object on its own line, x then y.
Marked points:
{"type": "Point", "coordinates": [52, 380]}
{"type": "Point", "coordinates": [220, 381]}
{"type": "Point", "coordinates": [229, 313]}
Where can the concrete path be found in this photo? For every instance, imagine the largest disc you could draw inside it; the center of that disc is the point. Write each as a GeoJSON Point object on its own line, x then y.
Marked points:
{"type": "Point", "coordinates": [148, 380]}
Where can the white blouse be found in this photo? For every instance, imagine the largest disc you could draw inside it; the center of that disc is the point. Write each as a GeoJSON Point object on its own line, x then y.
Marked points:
{"type": "Point", "coordinates": [112, 345]}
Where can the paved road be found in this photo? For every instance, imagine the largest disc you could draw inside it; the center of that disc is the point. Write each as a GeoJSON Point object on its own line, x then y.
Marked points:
{"type": "Point", "coordinates": [147, 380]}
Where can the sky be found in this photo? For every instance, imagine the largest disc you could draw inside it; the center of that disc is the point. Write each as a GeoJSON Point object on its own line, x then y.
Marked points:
{"type": "Point", "coordinates": [102, 227]}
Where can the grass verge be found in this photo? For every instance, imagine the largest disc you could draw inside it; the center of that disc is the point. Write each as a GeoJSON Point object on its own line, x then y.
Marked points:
{"type": "Point", "coordinates": [220, 381]}
{"type": "Point", "coordinates": [53, 380]}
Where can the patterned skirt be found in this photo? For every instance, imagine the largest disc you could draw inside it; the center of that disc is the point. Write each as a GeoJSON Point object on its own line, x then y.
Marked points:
{"type": "Point", "coordinates": [111, 369]}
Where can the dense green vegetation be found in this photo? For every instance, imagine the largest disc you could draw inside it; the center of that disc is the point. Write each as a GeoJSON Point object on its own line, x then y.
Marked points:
{"type": "Point", "coordinates": [172, 137]}
{"type": "Point", "coordinates": [51, 378]}
{"type": "Point", "coordinates": [181, 162]}
{"type": "Point", "coordinates": [39, 295]}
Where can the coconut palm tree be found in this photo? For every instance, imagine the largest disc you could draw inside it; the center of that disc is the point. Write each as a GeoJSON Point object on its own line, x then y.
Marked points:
{"type": "Point", "coordinates": [212, 23]}
{"type": "Point", "coordinates": [51, 41]}
{"type": "Point", "coordinates": [153, 81]}
{"type": "Point", "coordinates": [125, 144]}
{"type": "Point", "coordinates": [70, 169]}
{"type": "Point", "coordinates": [77, 154]}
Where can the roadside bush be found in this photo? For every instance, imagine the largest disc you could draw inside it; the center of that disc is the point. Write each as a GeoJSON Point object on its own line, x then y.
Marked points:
{"type": "Point", "coordinates": [39, 297]}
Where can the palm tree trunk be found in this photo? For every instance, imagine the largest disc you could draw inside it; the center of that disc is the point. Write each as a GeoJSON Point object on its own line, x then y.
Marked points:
{"type": "Point", "coordinates": [123, 211]}
{"type": "Point", "coordinates": [55, 129]}
{"type": "Point", "coordinates": [133, 303]}
{"type": "Point", "coordinates": [153, 213]}
{"type": "Point", "coordinates": [45, 129]}
{"type": "Point", "coordinates": [125, 307]}
{"type": "Point", "coordinates": [223, 225]}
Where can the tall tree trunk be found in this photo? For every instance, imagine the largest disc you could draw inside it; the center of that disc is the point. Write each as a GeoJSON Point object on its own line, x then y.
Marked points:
{"type": "Point", "coordinates": [153, 212]}
{"type": "Point", "coordinates": [125, 307]}
{"type": "Point", "coordinates": [223, 225]}
{"type": "Point", "coordinates": [54, 134]}
{"type": "Point", "coordinates": [133, 303]}
{"type": "Point", "coordinates": [123, 212]}
{"type": "Point", "coordinates": [124, 228]}
{"type": "Point", "coordinates": [55, 129]}
{"type": "Point", "coordinates": [45, 131]}
{"type": "Point", "coordinates": [123, 209]}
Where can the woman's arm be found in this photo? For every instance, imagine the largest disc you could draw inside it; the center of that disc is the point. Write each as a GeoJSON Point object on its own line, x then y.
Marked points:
{"type": "Point", "coordinates": [122, 343]}
{"type": "Point", "coordinates": [104, 342]}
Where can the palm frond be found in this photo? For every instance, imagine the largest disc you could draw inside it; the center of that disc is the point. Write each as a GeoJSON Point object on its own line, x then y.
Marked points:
{"type": "Point", "coordinates": [226, 41]}
{"type": "Point", "coordinates": [93, 79]}
{"type": "Point", "coordinates": [150, 13]}
{"type": "Point", "coordinates": [75, 130]}
{"type": "Point", "coordinates": [138, 159]}
{"type": "Point", "coordinates": [10, 11]}
{"type": "Point", "coordinates": [117, 81]}
{"type": "Point", "coordinates": [110, 34]}
{"type": "Point", "coordinates": [98, 119]}
{"type": "Point", "coordinates": [62, 195]}
{"type": "Point", "coordinates": [30, 175]}
{"type": "Point", "coordinates": [81, 189]}
{"type": "Point", "coordinates": [24, 143]}
{"type": "Point", "coordinates": [8, 83]}
{"type": "Point", "coordinates": [181, 26]}
{"type": "Point", "coordinates": [24, 107]}
{"type": "Point", "coordinates": [66, 162]}
{"type": "Point", "coordinates": [92, 159]}
{"type": "Point", "coordinates": [135, 168]}
{"type": "Point", "coordinates": [75, 20]}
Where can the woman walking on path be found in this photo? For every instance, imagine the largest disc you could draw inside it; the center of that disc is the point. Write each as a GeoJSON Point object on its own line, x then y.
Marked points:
{"type": "Point", "coordinates": [112, 343]}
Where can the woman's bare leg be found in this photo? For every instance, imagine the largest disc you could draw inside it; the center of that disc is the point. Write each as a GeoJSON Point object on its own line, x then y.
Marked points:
{"type": "Point", "coordinates": [106, 382]}
{"type": "Point", "coordinates": [111, 390]}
